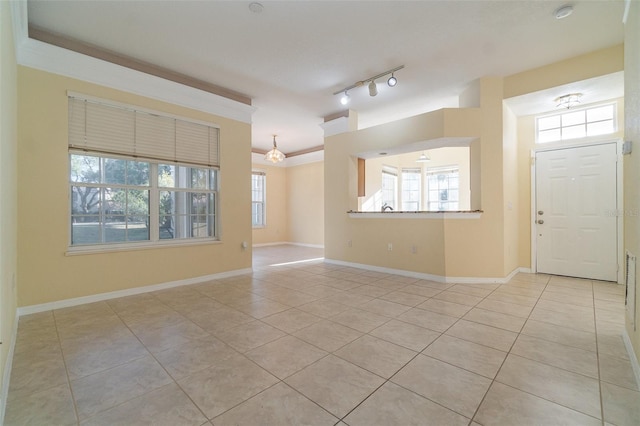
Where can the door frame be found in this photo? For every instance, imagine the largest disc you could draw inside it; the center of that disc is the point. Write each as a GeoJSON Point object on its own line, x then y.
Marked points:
{"type": "Point", "coordinates": [619, 201]}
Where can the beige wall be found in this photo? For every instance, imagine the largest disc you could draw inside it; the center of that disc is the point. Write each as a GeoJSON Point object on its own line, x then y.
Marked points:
{"type": "Point", "coordinates": [526, 133]}
{"type": "Point", "coordinates": [589, 65]}
{"type": "Point", "coordinates": [46, 272]}
{"type": "Point", "coordinates": [305, 203]}
{"type": "Point", "coordinates": [276, 228]}
{"type": "Point", "coordinates": [510, 188]}
{"type": "Point", "coordinates": [295, 205]}
{"type": "Point", "coordinates": [8, 191]}
{"type": "Point", "coordinates": [440, 157]}
{"type": "Point", "coordinates": [460, 248]}
{"type": "Point", "coordinates": [632, 162]}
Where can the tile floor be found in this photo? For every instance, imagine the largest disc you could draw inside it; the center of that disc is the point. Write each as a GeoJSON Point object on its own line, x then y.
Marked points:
{"type": "Point", "coordinates": [319, 344]}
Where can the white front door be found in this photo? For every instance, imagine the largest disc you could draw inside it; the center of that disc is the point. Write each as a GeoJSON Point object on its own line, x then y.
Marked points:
{"type": "Point", "coordinates": [576, 220]}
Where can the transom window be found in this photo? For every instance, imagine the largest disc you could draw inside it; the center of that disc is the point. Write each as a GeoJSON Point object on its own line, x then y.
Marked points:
{"type": "Point", "coordinates": [258, 199]}
{"type": "Point", "coordinates": [582, 123]}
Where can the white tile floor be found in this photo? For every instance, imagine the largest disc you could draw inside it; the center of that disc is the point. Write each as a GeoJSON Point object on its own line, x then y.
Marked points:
{"type": "Point", "coordinates": [320, 344]}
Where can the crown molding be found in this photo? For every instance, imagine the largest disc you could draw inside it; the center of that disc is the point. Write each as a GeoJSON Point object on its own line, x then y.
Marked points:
{"type": "Point", "coordinates": [298, 160]}
{"type": "Point", "coordinates": [57, 60]}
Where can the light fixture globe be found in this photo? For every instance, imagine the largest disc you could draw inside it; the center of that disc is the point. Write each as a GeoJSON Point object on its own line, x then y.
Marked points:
{"type": "Point", "coordinates": [392, 81]}
{"type": "Point", "coordinates": [275, 155]}
{"type": "Point", "coordinates": [373, 88]}
{"type": "Point", "coordinates": [345, 98]}
{"type": "Point", "coordinates": [423, 158]}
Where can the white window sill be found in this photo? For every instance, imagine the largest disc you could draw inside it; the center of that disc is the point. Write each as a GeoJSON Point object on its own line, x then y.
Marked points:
{"type": "Point", "coordinates": [109, 248]}
{"type": "Point", "coordinates": [464, 214]}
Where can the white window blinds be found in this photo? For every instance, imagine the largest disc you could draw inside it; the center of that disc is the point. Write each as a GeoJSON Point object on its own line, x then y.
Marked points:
{"type": "Point", "coordinates": [99, 127]}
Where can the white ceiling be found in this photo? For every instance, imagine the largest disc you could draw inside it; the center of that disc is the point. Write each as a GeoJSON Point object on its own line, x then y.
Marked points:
{"type": "Point", "coordinates": [294, 55]}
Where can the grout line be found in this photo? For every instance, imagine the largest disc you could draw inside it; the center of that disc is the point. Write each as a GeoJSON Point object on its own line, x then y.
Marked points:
{"type": "Point", "coordinates": [66, 368]}
{"type": "Point", "coordinates": [508, 353]}
{"type": "Point", "coordinates": [595, 328]}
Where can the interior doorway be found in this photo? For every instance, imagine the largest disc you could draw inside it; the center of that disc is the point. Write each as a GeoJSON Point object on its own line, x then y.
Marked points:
{"type": "Point", "coordinates": [576, 212]}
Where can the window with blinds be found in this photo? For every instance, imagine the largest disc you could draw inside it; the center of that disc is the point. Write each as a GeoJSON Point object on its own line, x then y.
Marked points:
{"type": "Point", "coordinates": [138, 178]}
{"type": "Point", "coordinates": [114, 129]}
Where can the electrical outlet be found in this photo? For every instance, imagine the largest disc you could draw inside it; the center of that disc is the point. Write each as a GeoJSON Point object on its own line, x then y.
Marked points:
{"type": "Point", "coordinates": [414, 249]}
{"type": "Point", "coordinates": [349, 244]}
{"type": "Point", "coordinates": [389, 246]}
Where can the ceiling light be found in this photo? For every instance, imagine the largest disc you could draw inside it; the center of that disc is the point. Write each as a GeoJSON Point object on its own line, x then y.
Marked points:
{"type": "Point", "coordinates": [563, 11]}
{"type": "Point", "coordinates": [392, 81]}
{"type": "Point", "coordinates": [256, 7]}
{"type": "Point", "coordinates": [275, 155]}
{"type": "Point", "coordinates": [423, 158]}
{"type": "Point", "coordinates": [373, 88]}
{"type": "Point", "coordinates": [568, 101]}
{"type": "Point", "coordinates": [345, 98]}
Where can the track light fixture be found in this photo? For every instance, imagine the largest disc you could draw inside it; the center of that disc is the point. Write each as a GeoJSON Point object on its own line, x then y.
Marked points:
{"type": "Point", "coordinates": [373, 87]}
{"type": "Point", "coordinates": [345, 98]}
{"type": "Point", "coordinates": [392, 81]}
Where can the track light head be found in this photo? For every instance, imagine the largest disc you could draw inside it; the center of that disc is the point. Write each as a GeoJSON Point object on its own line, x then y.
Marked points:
{"type": "Point", "coordinates": [392, 81]}
{"type": "Point", "coordinates": [345, 98]}
{"type": "Point", "coordinates": [373, 88]}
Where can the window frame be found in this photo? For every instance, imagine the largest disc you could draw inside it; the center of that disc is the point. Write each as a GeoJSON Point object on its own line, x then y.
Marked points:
{"type": "Point", "coordinates": [391, 171]}
{"type": "Point", "coordinates": [586, 109]}
{"type": "Point", "coordinates": [263, 175]}
{"type": "Point", "coordinates": [407, 171]}
{"type": "Point", "coordinates": [154, 190]}
{"type": "Point", "coordinates": [454, 168]}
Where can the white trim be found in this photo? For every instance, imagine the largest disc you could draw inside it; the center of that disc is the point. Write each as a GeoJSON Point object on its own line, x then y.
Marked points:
{"type": "Point", "coordinates": [320, 246]}
{"type": "Point", "coordinates": [26, 310]}
{"type": "Point", "coordinates": [6, 377]}
{"type": "Point", "coordinates": [425, 276]}
{"type": "Point", "coordinates": [46, 57]}
{"type": "Point", "coordinates": [335, 127]}
{"type": "Point", "coordinates": [632, 355]}
{"type": "Point", "coordinates": [298, 160]}
{"type": "Point", "coordinates": [415, 215]}
{"type": "Point", "coordinates": [281, 243]}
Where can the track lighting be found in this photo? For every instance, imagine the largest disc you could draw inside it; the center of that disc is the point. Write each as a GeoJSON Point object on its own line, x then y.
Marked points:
{"type": "Point", "coordinates": [345, 98]}
{"type": "Point", "coordinates": [392, 81]}
{"type": "Point", "coordinates": [373, 87]}
{"type": "Point", "coordinates": [275, 155]}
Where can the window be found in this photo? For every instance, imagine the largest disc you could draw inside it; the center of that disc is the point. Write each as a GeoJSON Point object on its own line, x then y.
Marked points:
{"type": "Point", "coordinates": [582, 123]}
{"type": "Point", "coordinates": [120, 200]}
{"type": "Point", "coordinates": [258, 199]}
{"type": "Point", "coordinates": [443, 188]}
{"type": "Point", "coordinates": [389, 186]}
{"type": "Point", "coordinates": [411, 189]}
{"type": "Point", "coordinates": [137, 176]}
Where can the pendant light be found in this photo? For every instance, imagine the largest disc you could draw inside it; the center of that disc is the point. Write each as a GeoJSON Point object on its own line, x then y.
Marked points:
{"type": "Point", "coordinates": [275, 155]}
{"type": "Point", "coordinates": [423, 158]}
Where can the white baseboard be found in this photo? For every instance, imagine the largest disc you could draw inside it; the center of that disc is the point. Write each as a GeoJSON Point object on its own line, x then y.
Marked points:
{"type": "Point", "coordinates": [424, 276]}
{"type": "Point", "coordinates": [26, 310]}
{"type": "Point", "coordinates": [7, 369]}
{"type": "Point", "coordinates": [282, 243]}
{"type": "Point", "coordinates": [632, 355]}
{"type": "Point", "coordinates": [525, 270]}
